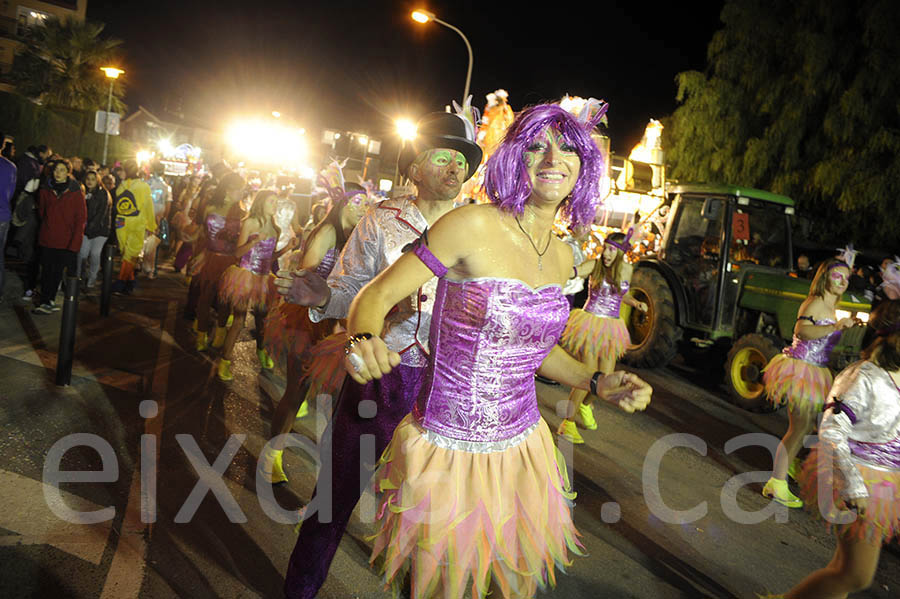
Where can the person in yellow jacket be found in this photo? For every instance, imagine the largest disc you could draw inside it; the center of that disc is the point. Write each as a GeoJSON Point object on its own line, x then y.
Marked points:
{"type": "Point", "coordinates": [134, 215]}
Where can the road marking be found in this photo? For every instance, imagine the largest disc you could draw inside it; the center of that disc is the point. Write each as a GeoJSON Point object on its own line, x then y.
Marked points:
{"type": "Point", "coordinates": [35, 524]}
{"type": "Point", "coordinates": [126, 573]}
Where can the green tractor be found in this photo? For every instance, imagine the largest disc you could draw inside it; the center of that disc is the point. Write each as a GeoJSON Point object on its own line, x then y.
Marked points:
{"type": "Point", "coordinates": [722, 281]}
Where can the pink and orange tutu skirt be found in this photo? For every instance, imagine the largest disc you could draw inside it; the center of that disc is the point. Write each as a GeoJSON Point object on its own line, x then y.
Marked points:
{"type": "Point", "coordinates": [243, 289]}
{"type": "Point", "coordinates": [290, 333]}
{"type": "Point", "coordinates": [588, 337]}
{"type": "Point", "coordinates": [324, 371]}
{"type": "Point", "coordinates": [456, 520]}
{"type": "Point", "coordinates": [212, 269]}
{"type": "Point", "coordinates": [789, 380]}
{"type": "Point", "coordinates": [881, 522]}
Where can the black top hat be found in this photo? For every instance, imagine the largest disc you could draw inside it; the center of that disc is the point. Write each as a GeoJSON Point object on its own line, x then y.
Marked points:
{"type": "Point", "coordinates": [442, 130]}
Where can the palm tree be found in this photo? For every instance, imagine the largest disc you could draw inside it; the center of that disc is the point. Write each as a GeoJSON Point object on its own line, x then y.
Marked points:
{"type": "Point", "coordinates": [59, 65]}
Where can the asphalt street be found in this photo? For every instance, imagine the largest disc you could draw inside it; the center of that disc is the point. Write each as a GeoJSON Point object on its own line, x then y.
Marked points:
{"type": "Point", "coordinates": [660, 510]}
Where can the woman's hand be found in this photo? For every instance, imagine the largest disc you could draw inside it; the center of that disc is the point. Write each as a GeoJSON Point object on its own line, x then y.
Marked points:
{"type": "Point", "coordinates": [858, 505]}
{"type": "Point", "coordinates": [625, 390]}
{"type": "Point", "coordinates": [845, 323]}
{"type": "Point", "coordinates": [369, 359]}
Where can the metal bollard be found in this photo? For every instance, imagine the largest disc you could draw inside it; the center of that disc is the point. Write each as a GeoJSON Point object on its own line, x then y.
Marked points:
{"type": "Point", "coordinates": [106, 260]}
{"type": "Point", "coordinates": [66, 352]}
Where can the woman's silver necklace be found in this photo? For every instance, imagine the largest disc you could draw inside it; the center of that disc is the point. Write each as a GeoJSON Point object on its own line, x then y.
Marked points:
{"type": "Point", "coordinates": [539, 253]}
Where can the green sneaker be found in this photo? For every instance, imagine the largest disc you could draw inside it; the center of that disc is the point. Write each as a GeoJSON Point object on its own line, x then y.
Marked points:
{"type": "Point", "coordinates": [586, 412]}
{"type": "Point", "coordinates": [778, 490]}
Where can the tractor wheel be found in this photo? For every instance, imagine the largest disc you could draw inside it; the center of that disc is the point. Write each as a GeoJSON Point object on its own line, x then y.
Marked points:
{"type": "Point", "coordinates": [744, 372]}
{"type": "Point", "coordinates": [654, 335]}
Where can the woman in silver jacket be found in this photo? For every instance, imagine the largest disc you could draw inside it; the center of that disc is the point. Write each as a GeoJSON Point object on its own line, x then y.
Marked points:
{"type": "Point", "coordinates": [853, 475]}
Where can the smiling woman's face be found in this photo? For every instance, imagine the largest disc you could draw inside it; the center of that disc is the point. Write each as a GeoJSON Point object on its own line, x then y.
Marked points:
{"type": "Point", "coordinates": [553, 166]}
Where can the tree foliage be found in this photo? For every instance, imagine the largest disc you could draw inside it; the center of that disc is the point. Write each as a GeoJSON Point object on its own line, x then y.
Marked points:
{"type": "Point", "coordinates": [59, 65]}
{"type": "Point", "coordinates": [800, 97]}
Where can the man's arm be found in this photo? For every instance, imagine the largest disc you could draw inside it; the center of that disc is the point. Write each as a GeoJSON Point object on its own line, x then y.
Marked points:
{"type": "Point", "coordinates": [359, 262]}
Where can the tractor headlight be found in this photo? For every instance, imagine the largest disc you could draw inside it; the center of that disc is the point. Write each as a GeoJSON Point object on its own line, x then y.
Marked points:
{"type": "Point", "coordinates": [842, 314]}
{"type": "Point", "coordinates": [863, 316]}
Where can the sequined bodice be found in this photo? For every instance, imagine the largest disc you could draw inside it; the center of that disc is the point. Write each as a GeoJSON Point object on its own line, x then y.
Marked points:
{"type": "Point", "coordinates": [221, 233]}
{"type": "Point", "coordinates": [605, 300]}
{"type": "Point", "coordinates": [488, 338]}
{"type": "Point", "coordinates": [259, 259]}
{"type": "Point", "coordinates": [327, 264]}
{"type": "Point", "coordinates": [814, 351]}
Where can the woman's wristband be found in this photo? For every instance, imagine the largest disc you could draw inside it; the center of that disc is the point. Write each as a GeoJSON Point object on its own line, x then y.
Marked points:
{"type": "Point", "coordinates": [354, 339]}
{"type": "Point", "coordinates": [594, 380]}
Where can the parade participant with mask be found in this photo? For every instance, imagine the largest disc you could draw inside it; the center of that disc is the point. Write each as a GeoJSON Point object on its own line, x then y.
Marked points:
{"type": "Point", "coordinates": [443, 156]}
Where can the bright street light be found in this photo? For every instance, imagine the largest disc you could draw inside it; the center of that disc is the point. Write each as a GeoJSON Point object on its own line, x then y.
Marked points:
{"type": "Point", "coordinates": [423, 16]}
{"type": "Point", "coordinates": [276, 114]}
{"type": "Point", "coordinates": [112, 73]}
{"type": "Point", "coordinates": [406, 129]}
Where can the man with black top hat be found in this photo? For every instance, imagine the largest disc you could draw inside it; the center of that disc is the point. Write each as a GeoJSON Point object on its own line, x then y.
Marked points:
{"type": "Point", "coordinates": [443, 156]}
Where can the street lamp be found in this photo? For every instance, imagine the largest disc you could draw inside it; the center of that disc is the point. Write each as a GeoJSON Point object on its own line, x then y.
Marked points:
{"type": "Point", "coordinates": [112, 73]}
{"type": "Point", "coordinates": [406, 131]}
{"type": "Point", "coordinates": [423, 16]}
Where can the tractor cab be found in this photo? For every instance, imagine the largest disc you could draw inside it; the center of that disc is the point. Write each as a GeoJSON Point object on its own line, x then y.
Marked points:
{"type": "Point", "coordinates": [717, 234]}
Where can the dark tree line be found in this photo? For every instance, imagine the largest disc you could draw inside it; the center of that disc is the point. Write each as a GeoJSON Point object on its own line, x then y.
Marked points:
{"type": "Point", "coordinates": [800, 97]}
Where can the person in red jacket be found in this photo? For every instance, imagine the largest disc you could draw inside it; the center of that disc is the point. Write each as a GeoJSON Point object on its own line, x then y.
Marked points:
{"type": "Point", "coordinates": [63, 211]}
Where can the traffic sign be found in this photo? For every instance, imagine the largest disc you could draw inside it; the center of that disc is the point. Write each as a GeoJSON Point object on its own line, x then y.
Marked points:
{"type": "Point", "coordinates": [109, 125]}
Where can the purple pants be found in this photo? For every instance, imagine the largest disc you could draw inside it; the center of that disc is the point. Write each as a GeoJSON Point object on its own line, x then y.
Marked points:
{"type": "Point", "coordinates": [394, 395]}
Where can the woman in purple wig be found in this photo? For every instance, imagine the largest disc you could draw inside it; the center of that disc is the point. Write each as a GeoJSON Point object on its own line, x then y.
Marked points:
{"type": "Point", "coordinates": [473, 490]}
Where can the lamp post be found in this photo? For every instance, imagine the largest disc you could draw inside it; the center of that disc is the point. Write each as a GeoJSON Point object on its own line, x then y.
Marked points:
{"type": "Point", "coordinates": [406, 131]}
{"type": "Point", "coordinates": [423, 16]}
{"type": "Point", "coordinates": [112, 73]}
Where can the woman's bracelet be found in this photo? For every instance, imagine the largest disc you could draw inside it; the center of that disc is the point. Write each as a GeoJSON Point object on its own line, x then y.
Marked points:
{"type": "Point", "coordinates": [354, 339]}
{"type": "Point", "coordinates": [594, 380]}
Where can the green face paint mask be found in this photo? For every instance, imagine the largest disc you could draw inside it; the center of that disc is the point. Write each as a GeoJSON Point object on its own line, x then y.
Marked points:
{"type": "Point", "coordinates": [443, 158]}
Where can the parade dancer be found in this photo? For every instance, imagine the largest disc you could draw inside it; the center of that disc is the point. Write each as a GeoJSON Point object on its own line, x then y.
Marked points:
{"type": "Point", "coordinates": [799, 376]}
{"type": "Point", "coordinates": [597, 335]}
{"type": "Point", "coordinates": [443, 155]}
{"type": "Point", "coordinates": [222, 220]}
{"type": "Point", "coordinates": [291, 338]}
{"type": "Point", "coordinates": [249, 285]}
{"type": "Point", "coordinates": [856, 464]}
{"type": "Point", "coordinates": [474, 491]}
{"type": "Point", "coordinates": [134, 220]}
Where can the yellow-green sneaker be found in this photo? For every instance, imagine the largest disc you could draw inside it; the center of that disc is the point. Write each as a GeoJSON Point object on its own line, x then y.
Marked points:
{"type": "Point", "coordinates": [224, 370]}
{"type": "Point", "coordinates": [567, 430]}
{"type": "Point", "coordinates": [586, 412]}
{"type": "Point", "coordinates": [202, 344]}
{"type": "Point", "coordinates": [795, 468]}
{"type": "Point", "coordinates": [303, 412]}
{"type": "Point", "coordinates": [272, 467]}
{"type": "Point", "coordinates": [777, 489]}
{"type": "Point", "coordinates": [264, 360]}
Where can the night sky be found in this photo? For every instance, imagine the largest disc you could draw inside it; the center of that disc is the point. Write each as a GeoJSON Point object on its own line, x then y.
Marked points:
{"type": "Point", "coordinates": [358, 65]}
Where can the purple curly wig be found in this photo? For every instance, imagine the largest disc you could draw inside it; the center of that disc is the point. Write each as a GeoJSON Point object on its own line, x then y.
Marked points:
{"type": "Point", "coordinates": [506, 178]}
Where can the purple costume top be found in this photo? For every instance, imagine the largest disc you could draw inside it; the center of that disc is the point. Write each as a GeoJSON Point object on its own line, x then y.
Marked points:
{"type": "Point", "coordinates": [221, 234]}
{"type": "Point", "coordinates": [259, 259]}
{"type": "Point", "coordinates": [327, 264]}
{"type": "Point", "coordinates": [489, 337]}
{"type": "Point", "coordinates": [814, 351]}
{"type": "Point", "coordinates": [863, 424]}
{"type": "Point", "coordinates": [604, 300]}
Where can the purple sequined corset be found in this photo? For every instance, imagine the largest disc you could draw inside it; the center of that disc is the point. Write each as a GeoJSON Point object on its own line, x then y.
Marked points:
{"type": "Point", "coordinates": [603, 300]}
{"type": "Point", "coordinates": [814, 351]}
{"type": "Point", "coordinates": [488, 338]}
{"type": "Point", "coordinates": [259, 259]}
{"type": "Point", "coordinates": [883, 454]}
{"type": "Point", "coordinates": [327, 264]}
{"type": "Point", "coordinates": [221, 234]}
